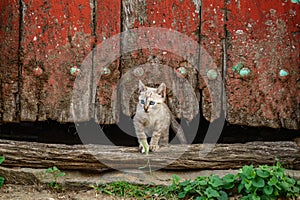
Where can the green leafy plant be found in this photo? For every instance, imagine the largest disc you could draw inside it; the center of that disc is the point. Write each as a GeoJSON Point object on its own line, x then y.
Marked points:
{"type": "Point", "coordinates": [211, 187]}
{"type": "Point", "coordinates": [266, 182]}
{"type": "Point", "coordinates": [55, 173]}
{"type": "Point", "coordinates": [1, 178]}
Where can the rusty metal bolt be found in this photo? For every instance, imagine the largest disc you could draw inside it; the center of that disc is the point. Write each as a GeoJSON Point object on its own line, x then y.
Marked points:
{"type": "Point", "coordinates": [182, 71]}
{"type": "Point", "coordinates": [212, 74]}
{"type": "Point", "coordinates": [244, 72]}
{"type": "Point", "coordinates": [237, 68]}
{"type": "Point", "coordinates": [37, 71]}
{"type": "Point", "coordinates": [74, 70]}
{"type": "Point", "coordinates": [283, 73]}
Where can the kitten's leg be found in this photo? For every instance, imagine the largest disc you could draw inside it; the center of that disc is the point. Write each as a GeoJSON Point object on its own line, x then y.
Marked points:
{"type": "Point", "coordinates": [142, 138]}
{"type": "Point", "coordinates": [164, 138]}
{"type": "Point", "coordinates": [143, 144]}
{"type": "Point", "coordinates": [154, 141]}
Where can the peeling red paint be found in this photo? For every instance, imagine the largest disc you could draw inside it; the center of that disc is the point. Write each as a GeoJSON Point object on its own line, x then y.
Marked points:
{"type": "Point", "coordinates": [182, 16]}
{"type": "Point", "coordinates": [212, 36]}
{"type": "Point", "coordinates": [9, 45]}
{"type": "Point", "coordinates": [56, 36]}
{"type": "Point", "coordinates": [262, 37]}
{"type": "Point", "coordinates": [262, 47]}
{"type": "Point", "coordinates": [108, 18]}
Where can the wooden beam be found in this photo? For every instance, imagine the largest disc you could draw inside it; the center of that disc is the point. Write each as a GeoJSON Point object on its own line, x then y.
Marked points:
{"type": "Point", "coordinates": [102, 157]}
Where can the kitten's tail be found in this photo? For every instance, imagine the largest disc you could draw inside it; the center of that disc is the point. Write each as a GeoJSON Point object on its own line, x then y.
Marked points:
{"type": "Point", "coordinates": [178, 130]}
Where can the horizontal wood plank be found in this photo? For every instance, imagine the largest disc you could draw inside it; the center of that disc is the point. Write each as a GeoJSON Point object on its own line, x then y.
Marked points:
{"type": "Point", "coordinates": [101, 157]}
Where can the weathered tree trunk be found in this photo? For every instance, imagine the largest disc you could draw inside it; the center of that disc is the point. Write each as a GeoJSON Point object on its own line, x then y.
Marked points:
{"type": "Point", "coordinates": [100, 157]}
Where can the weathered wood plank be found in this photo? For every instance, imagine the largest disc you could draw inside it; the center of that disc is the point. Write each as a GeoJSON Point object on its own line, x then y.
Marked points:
{"type": "Point", "coordinates": [56, 38]}
{"type": "Point", "coordinates": [99, 157]}
{"type": "Point", "coordinates": [9, 45]}
{"type": "Point", "coordinates": [211, 57]}
{"type": "Point", "coordinates": [155, 65]}
{"type": "Point", "coordinates": [108, 24]}
{"type": "Point", "coordinates": [263, 63]}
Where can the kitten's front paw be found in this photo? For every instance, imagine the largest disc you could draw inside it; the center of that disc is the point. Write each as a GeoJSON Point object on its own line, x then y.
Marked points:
{"type": "Point", "coordinates": [144, 148]}
{"type": "Point", "coordinates": [154, 148]}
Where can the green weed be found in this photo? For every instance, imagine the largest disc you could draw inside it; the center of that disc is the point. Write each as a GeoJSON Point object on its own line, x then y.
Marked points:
{"type": "Point", "coordinates": [55, 173]}
{"type": "Point", "coordinates": [264, 182]}
{"type": "Point", "coordinates": [1, 178]}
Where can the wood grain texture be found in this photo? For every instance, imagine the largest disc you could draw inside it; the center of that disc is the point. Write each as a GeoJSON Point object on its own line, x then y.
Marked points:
{"type": "Point", "coordinates": [154, 65]}
{"type": "Point", "coordinates": [108, 24]}
{"type": "Point", "coordinates": [98, 157]}
{"type": "Point", "coordinates": [9, 56]}
{"type": "Point", "coordinates": [56, 37]}
{"type": "Point", "coordinates": [211, 57]}
{"type": "Point", "coordinates": [263, 39]}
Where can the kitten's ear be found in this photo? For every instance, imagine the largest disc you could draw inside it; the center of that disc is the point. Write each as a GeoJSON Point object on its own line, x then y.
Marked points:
{"type": "Point", "coordinates": [142, 87]}
{"type": "Point", "coordinates": [162, 90]}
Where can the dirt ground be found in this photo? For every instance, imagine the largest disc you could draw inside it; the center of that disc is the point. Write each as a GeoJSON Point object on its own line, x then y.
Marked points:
{"type": "Point", "coordinates": [32, 184]}
{"type": "Point", "coordinates": [40, 192]}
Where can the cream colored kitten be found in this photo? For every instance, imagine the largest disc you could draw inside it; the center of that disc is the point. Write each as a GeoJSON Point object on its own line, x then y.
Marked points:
{"type": "Point", "coordinates": [153, 118]}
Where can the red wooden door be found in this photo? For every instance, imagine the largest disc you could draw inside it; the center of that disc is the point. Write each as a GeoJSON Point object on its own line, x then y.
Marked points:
{"type": "Point", "coordinates": [251, 48]}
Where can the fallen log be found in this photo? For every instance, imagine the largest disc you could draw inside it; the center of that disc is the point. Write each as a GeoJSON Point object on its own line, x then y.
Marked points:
{"type": "Point", "coordinates": [103, 157]}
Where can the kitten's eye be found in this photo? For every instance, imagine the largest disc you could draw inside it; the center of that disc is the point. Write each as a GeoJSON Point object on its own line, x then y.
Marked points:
{"type": "Point", "coordinates": [142, 102]}
{"type": "Point", "coordinates": [152, 103]}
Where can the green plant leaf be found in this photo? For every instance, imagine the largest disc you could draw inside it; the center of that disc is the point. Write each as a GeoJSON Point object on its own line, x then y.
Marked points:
{"type": "Point", "coordinates": [258, 182]}
{"type": "Point", "coordinates": [248, 171]}
{"type": "Point", "coordinates": [49, 170]}
{"type": "Point", "coordinates": [273, 181]}
{"type": "Point", "coordinates": [223, 195]}
{"type": "Point", "coordinates": [181, 195]}
{"type": "Point", "coordinates": [215, 181]}
{"type": "Point", "coordinates": [175, 179]}
{"type": "Point", "coordinates": [210, 192]}
{"type": "Point", "coordinates": [248, 185]}
{"type": "Point", "coordinates": [241, 187]}
{"type": "Point", "coordinates": [268, 190]}
{"type": "Point", "coordinates": [284, 185]}
{"type": "Point", "coordinates": [2, 158]}
{"type": "Point", "coordinates": [263, 173]}
{"type": "Point", "coordinates": [61, 174]}
{"type": "Point", "coordinates": [229, 178]}
{"type": "Point", "coordinates": [1, 181]}
{"type": "Point", "coordinates": [185, 183]}
{"type": "Point", "coordinates": [55, 169]}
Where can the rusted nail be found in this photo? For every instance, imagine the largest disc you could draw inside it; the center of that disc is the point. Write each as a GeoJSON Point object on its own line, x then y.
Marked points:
{"type": "Point", "coordinates": [212, 74]}
{"type": "Point", "coordinates": [74, 70]}
{"type": "Point", "coordinates": [37, 71]}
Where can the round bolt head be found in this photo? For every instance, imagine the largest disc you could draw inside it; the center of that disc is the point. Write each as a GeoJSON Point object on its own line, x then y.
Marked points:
{"type": "Point", "coordinates": [105, 71]}
{"type": "Point", "coordinates": [74, 71]}
{"type": "Point", "coordinates": [244, 72]}
{"type": "Point", "coordinates": [212, 74]}
{"type": "Point", "coordinates": [283, 73]}
{"type": "Point", "coordinates": [138, 71]}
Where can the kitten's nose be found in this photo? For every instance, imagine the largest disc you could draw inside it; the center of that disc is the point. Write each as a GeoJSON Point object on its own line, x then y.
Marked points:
{"type": "Point", "coordinates": [146, 108]}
